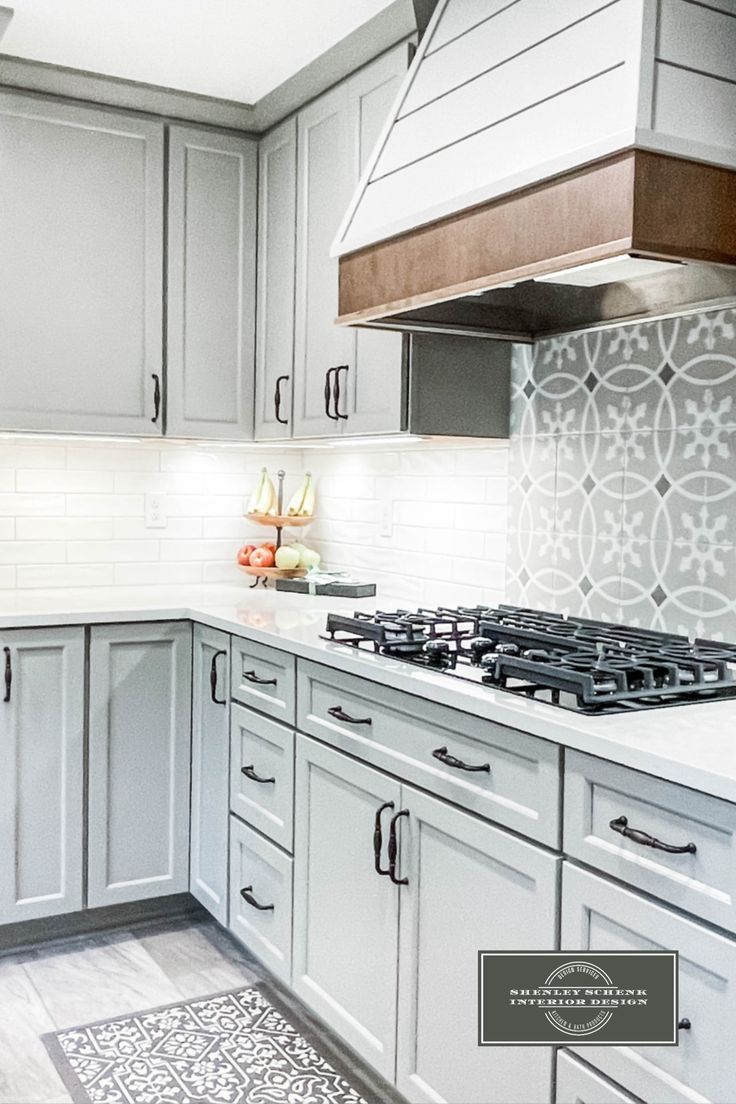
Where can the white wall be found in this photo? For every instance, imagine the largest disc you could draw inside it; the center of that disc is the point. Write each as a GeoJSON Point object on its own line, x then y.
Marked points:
{"type": "Point", "coordinates": [72, 514]}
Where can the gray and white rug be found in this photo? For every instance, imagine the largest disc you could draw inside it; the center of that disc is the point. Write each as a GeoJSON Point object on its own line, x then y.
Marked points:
{"type": "Point", "coordinates": [242, 1047]}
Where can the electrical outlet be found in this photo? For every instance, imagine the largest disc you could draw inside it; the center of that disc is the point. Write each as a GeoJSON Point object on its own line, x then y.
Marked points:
{"type": "Point", "coordinates": [155, 507]}
{"type": "Point", "coordinates": [386, 528]}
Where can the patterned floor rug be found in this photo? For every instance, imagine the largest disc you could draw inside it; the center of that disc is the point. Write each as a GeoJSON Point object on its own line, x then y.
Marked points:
{"type": "Point", "coordinates": [242, 1047]}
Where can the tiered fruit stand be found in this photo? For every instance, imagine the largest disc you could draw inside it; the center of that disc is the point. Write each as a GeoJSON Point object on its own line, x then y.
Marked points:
{"type": "Point", "coordinates": [279, 521]}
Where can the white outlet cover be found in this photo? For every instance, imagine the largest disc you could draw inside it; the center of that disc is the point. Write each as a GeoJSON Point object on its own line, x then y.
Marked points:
{"type": "Point", "coordinates": [155, 511]}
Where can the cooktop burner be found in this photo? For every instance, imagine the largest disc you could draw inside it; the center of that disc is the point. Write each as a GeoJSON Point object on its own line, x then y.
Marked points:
{"type": "Point", "coordinates": [588, 666]}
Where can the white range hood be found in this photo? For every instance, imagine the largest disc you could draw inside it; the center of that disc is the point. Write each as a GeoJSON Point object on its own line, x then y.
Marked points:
{"type": "Point", "coordinates": [532, 137]}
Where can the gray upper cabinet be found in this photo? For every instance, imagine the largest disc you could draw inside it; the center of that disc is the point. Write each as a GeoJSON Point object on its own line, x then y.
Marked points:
{"type": "Point", "coordinates": [211, 284]}
{"type": "Point", "coordinates": [81, 240]}
{"type": "Point", "coordinates": [139, 754]}
{"type": "Point", "coordinates": [210, 769]}
{"type": "Point", "coordinates": [42, 779]}
{"type": "Point", "coordinates": [276, 274]}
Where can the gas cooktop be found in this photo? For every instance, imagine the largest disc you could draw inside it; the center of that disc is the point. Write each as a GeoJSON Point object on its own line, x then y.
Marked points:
{"type": "Point", "coordinates": [587, 666]}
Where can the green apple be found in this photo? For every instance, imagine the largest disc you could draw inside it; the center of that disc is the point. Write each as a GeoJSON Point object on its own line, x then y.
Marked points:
{"type": "Point", "coordinates": [309, 558]}
{"type": "Point", "coordinates": [287, 557]}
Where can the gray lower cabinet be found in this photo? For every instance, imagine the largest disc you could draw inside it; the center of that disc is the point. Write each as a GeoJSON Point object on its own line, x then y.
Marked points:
{"type": "Point", "coordinates": [577, 1083]}
{"type": "Point", "coordinates": [354, 923]}
{"type": "Point", "coordinates": [210, 767]}
{"type": "Point", "coordinates": [211, 283]}
{"type": "Point", "coordinates": [42, 779]}
{"type": "Point", "coordinates": [600, 915]}
{"type": "Point", "coordinates": [262, 774]}
{"type": "Point", "coordinates": [81, 238]}
{"type": "Point", "coordinates": [139, 761]}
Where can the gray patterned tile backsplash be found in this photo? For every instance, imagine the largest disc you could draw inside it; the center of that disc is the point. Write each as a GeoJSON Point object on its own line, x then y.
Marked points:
{"type": "Point", "coordinates": [622, 475]}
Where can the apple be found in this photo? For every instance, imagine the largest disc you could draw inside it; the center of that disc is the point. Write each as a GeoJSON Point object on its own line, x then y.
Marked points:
{"type": "Point", "coordinates": [309, 558]}
{"type": "Point", "coordinates": [244, 554]}
{"type": "Point", "coordinates": [261, 557]}
{"type": "Point", "coordinates": [287, 558]}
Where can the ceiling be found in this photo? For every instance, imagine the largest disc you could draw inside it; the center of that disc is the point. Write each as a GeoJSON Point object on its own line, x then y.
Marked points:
{"type": "Point", "coordinates": [232, 49]}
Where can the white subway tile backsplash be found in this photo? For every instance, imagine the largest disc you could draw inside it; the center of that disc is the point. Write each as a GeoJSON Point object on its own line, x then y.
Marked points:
{"type": "Point", "coordinates": [21, 456]}
{"type": "Point", "coordinates": [7, 481]}
{"type": "Point", "coordinates": [119, 551]}
{"type": "Point", "coordinates": [65, 482]}
{"type": "Point", "coordinates": [39, 505]}
{"type": "Point", "coordinates": [32, 552]}
{"type": "Point", "coordinates": [192, 550]}
{"type": "Point", "coordinates": [147, 574]}
{"type": "Point", "coordinates": [63, 528]}
{"type": "Point", "coordinates": [44, 576]}
{"type": "Point", "coordinates": [112, 505]}
{"type": "Point", "coordinates": [135, 528]}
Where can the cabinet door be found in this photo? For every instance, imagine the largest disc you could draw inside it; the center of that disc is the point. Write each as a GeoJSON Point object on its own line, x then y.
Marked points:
{"type": "Point", "coordinates": [81, 240]}
{"type": "Point", "coordinates": [346, 931]}
{"type": "Point", "coordinates": [211, 284]}
{"type": "Point", "coordinates": [139, 749]}
{"type": "Point", "coordinates": [470, 887]}
{"type": "Point", "coordinates": [210, 769]}
{"type": "Point", "coordinates": [375, 396]}
{"type": "Point", "coordinates": [41, 782]}
{"type": "Point", "coordinates": [578, 1084]}
{"type": "Point", "coordinates": [276, 261]}
{"type": "Point", "coordinates": [326, 177]}
{"type": "Point", "coordinates": [602, 916]}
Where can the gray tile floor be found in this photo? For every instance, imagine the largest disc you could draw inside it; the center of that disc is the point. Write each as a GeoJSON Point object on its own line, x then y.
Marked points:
{"type": "Point", "coordinates": [79, 980]}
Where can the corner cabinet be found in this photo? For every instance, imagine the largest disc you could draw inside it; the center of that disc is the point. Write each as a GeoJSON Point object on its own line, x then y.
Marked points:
{"type": "Point", "coordinates": [42, 780]}
{"type": "Point", "coordinates": [139, 761]}
{"type": "Point", "coordinates": [81, 239]}
{"type": "Point", "coordinates": [469, 885]}
{"type": "Point", "coordinates": [211, 284]}
{"type": "Point", "coordinates": [210, 769]}
{"type": "Point", "coordinates": [316, 379]}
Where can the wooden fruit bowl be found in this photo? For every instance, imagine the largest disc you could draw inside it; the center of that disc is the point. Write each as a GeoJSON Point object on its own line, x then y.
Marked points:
{"type": "Point", "coordinates": [280, 521]}
{"type": "Point", "coordinates": [274, 572]}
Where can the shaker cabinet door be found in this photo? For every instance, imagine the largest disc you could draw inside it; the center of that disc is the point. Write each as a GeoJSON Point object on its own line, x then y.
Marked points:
{"type": "Point", "coordinates": [139, 753]}
{"type": "Point", "coordinates": [42, 776]}
{"type": "Point", "coordinates": [346, 915]}
{"type": "Point", "coordinates": [276, 261]}
{"type": "Point", "coordinates": [211, 284]}
{"type": "Point", "coordinates": [470, 887]}
{"type": "Point", "coordinates": [210, 769]}
{"type": "Point", "coordinates": [81, 242]}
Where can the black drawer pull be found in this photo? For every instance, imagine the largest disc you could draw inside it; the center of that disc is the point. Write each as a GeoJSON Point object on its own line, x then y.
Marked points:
{"type": "Point", "coordinates": [450, 761]}
{"type": "Point", "coordinates": [8, 674]}
{"type": "Point", "coordinates": [251, 676]}
{"type": "Point", "coordinates": [378, 839]}
{"type": "Point", "coordinates": [621, 825]}
{"type": "Point", "coordinates": [247, 895]}
{"type": "Point", "coordinates": [156, 397]}
{"type": "Point", "coordinates": [249, 772]}
{"type": "Point", "coordinates": [339, 714]}
{"type": "Point", "coordinates": [213, 679]}
{"type": "Point", "coordinates": [684, 1024]}
{"type": "Point", "coordinates": [393, 848]}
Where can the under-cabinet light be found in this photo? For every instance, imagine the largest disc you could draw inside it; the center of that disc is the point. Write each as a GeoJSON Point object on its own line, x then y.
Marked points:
{"type": "Point", "coordinates": [78, 438]}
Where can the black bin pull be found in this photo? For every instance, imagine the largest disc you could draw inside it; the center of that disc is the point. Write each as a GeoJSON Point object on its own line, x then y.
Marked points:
{"type": "Point", "coordinates": [444, 756]}
{"type": "Point", "coordinates": [393, 848]}
{"type": "Point", "coordinates": [249, 772]}
{"type": "Point", "coordinates": [248, 897]}
{"type": "Point", "coordinates": [8, 674]}
{"type": "Point", "coordinates": [339, 714]}
{"type": "Point", "coordinates": [378, 839]}
{"type": "Point", "coordinates": [213, 679]}
{"type": "Point", "coordinates": [621, 825]}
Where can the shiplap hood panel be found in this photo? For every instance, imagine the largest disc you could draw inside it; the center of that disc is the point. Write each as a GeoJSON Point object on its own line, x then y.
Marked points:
{"type": "Point", "coordinates": [507, 97]}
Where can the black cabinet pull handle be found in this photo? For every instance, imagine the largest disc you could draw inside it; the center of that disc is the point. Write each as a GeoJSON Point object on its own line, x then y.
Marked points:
{"type": "Point", "coordinates": [247, 895]}
{"type": "Point", "coordinates": [336, 392]}
{"type": "Point", "coordinates": [277, 401]}
{"type": "Point", "coordinates": [213, 679]}
{"type": "Point", "coordinates": [249, 772]}
{"type": "Point", "coordinates": [684, 1024]}
{"type": "Point", "coordinates": [444, 756]}
{"type": "Point", "coordinates": [393, 848]}
{"type": "Point", "coordinates": [378, 839]}
{"type": "Point", "coordinates": [339, 714]}
{"type": "Point", "coordinates": [8, 674]}
{"type": "Point", "coordinates": [621, 825]}
{"type": "Point", "coordinates": [251, 676]}
{"type": "Point", "coordinates": [156, 397]}
{"type": "Point", "coordinates": [328, 395]}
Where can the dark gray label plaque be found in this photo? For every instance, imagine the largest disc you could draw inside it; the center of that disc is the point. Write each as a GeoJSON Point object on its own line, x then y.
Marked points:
{"type": "Point", "coordinates": [593, 998]}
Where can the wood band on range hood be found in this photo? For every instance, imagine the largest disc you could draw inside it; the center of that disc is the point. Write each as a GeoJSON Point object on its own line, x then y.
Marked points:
{"type": "Point", "coordinates": [634, 201]}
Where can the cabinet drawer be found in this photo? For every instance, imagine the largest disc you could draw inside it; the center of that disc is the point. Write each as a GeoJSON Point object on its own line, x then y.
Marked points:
{"type": "Point", "coordinates": [264, 873]}
{"type": "Point", "coordinates": [263, 678]}
{"type": "Point", "coordinates": [703, 882]}
{"type": "Point", "coordinates": [577, 1084]}
{"type": "Point", "coordinates": [599, 915]}
{"type": "Point", "coordinates": [262, 774]}
{"type": "Point", "coordinates": [520, 788]}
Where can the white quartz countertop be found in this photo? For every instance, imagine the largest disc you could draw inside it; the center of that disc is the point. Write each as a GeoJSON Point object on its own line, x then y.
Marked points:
{"type": "Point", "coordinates": [694, 745]}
